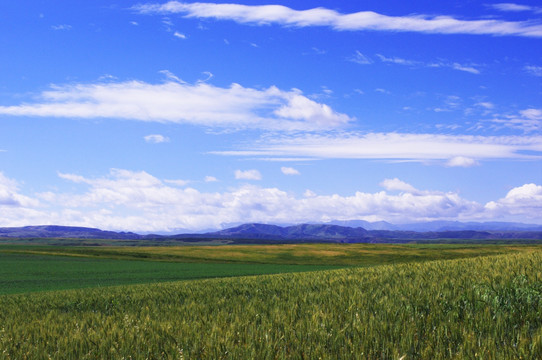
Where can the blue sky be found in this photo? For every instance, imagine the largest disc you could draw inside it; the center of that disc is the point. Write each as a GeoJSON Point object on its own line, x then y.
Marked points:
{"type": "Point", "coordinates": [174, 116]}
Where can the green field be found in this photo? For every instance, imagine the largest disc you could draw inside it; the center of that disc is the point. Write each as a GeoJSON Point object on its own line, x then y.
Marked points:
{"type": "Point", "coordinates": [23, 272]}
{"type": "Point", "coordinates": [478, 305]}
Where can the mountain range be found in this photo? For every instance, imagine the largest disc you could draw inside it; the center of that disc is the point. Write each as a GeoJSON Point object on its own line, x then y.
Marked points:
{"type": "Point", "coordinates": [329, 232]}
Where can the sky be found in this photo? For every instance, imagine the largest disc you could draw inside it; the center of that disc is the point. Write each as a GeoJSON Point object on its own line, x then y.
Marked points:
{"type": "Point", "coordinates": [184, 116]}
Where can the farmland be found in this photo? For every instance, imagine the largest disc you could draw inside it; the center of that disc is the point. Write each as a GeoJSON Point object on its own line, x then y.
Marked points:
{"type": "Point", "coordinates": [471, 302]}
{"type": "Point", "coordinates": [29, 272]}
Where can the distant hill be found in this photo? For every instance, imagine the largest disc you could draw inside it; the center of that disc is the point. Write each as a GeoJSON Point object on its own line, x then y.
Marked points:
{"type": "Point", "coordinates": [294, 233]}
{"type": "Point", "coordinates": [440, 226]}
{"type": "Point", "coordinates": [55, 231]}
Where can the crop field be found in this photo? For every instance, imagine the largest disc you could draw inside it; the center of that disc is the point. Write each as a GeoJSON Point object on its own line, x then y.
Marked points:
{"type": "Point", "coordinates": [294, 254]}
{"type": "Point", "coordinates": [484, 303]}
{"type": "Point", "coordinates": [23, 272]}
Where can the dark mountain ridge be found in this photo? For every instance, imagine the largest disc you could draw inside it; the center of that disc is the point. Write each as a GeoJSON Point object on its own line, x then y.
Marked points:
{"type": "Point", "coordinates": [254, 231]}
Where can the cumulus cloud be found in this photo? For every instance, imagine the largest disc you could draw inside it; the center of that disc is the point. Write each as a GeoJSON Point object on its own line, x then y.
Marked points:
{"type": "Point", "coordinates": [130, 200]}
{"type": "Point", "coordinates": [289, 170]}
{"type": "Point", "coordinates": [178, 182]}
{"type": "Point", "coordinates": [177, 102]}
{"type": "Point", "coordinates": [461, 161]}
{"type": "Point", "coordinates": [455, 149]}
{"type": "Point", "coordinates": [167, 207]}
{"type": "Point", "coordinates": [138, 201]}
{"type": "Point", "coordinates": [524, 201]}
{"type": "Point", "coordinates": [10, 196]}
{"type": "Point", "coordinates": [156, 139]}
{"type": "Point", "coordinates": [359, 21]}
{"type": "Point", "coordinates": [248, 175]}
{"type": "Point", "coordinates": [179, 35]}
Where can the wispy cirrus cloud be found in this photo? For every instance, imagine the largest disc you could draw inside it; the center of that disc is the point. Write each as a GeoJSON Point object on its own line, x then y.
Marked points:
{"type": "Point", "coordinates": [61, 27]}
{"type": "Point", "coordinates": [449, 150]}
{"type": "Point", "coordinates": [527, 120]}
{"type": "Point", "coordinates": [513, 7]}
{"type": "Point", "coordinates": [359, 58]}
{"type": "Point", "coordinates": [179, 102]}
{"type": "Point", "coordinates": [363, 20]}
{"type": "Point", "coordinates": [533, 70]}
{"type": "Point", "coordinates": [438, 64]}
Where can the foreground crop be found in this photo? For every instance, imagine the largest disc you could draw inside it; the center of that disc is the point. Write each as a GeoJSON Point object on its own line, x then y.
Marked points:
{"type": "Point", "coordinates": [487, 307]}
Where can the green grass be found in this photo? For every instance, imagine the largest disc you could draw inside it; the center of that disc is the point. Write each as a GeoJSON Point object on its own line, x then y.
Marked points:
{"type": "Point", "coordinates": [477, 308]}
{"type": "Point", "coordinates": [24, 272]}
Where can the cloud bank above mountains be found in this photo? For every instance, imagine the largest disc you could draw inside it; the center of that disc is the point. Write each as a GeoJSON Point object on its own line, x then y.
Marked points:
{"type": "Point", "coordinates": [138, 201]}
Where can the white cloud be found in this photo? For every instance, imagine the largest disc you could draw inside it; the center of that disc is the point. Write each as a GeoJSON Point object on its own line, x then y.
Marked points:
{"type": "Point", "coordinates": [172, 77]}
{"type": "Point", "coordinates": [61, 27]}
{"type": "Point", "coordinates": [209, 178]}
{"type": "Point", "coordinates": [469, 69]}
{"type": "Point", "coordinates": [10, 196]}
{"type": "Point", "coordinates": [209, 75]}
{"type": "Point", "coordinates": [137, 201]}
{"type": "Point", "coordinates": [363, 20]}
{"type": "Point", "coordinates": [461, 161]}
{"type": "Point", "coordinates": [487, 105]}
{"type": "Point", "coordinates": [289, 170]}
{"type": "Point", "coordinates": [178, 182]}
{"type": "Point", "coordinates": [398, 185]}
{"type": "Point", "coordinates": [156, 138]}
{"type": "Point", "coordinates": [524, 201]}
{"type": "Point", "coordinates": [395, 146]}
{"type": "Point", "coordinates": [178, 102]}
{"type": "Point", "coordinates": [248, 175]}
{"type": "Point", "coordinates": [528, 120]}
{"type": "Point", "coordinates": [359, 58]}
{"type": "Point", "coordinates": [515, 7]}
{"type": "Point", "coordinates": [309, 193]}
{"type": "Point", "coordinates": [440, 64]}
{"type": "Point", "coordinates": [382, 91]}
{"type": "Point", "coordinates": [533, 70]}
{"type": "Point", "coordinates": [396, 60]}
{"type": "Point", "coordinates": [179, 35]}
